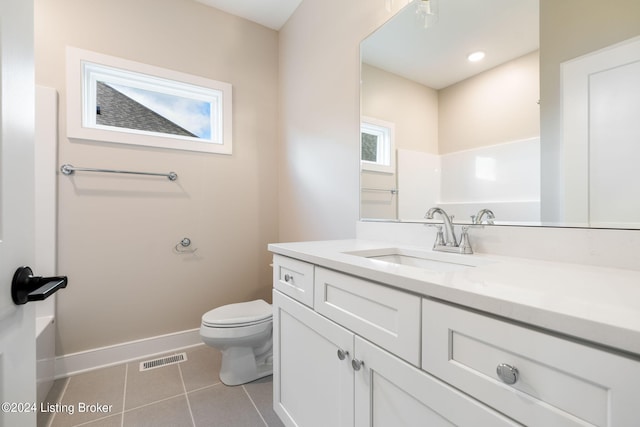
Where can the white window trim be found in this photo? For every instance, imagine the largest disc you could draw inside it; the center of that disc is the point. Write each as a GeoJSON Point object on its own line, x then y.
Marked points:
{"type": "Point", "coordinates": [386, 147]}
{"type": "Point", "coordinates": [85, 67]}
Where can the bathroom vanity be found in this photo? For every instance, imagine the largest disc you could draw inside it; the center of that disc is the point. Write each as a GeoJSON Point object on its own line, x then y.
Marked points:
{"type": "Point", "coordinates": [372, 334]}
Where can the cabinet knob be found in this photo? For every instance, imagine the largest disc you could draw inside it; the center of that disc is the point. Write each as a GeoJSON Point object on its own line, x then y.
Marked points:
{"type": "Point", "coordinates": [342, 354]}
{"type": "Point", "coordinates": [357, 364]}
{"type": "Point", "coordinates": [507, 373]}
{"type": "Point", "coordinates": [288, 278]}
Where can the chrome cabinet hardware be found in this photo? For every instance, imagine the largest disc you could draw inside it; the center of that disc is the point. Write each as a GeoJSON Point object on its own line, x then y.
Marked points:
{"type": "Point", "coordinates": [342, 354]}
{"type": "Point", "coordinates": [288, 278]}
{"type": "Point", "coordinates": [507, 373]}
{"type": "Point", "coordinates": [357, 364]}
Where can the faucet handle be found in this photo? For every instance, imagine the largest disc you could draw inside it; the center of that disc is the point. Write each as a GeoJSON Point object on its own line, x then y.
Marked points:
{"type": "Point", "coordinates": [465, 244]}
{"type": "Point", "coordinates": [439, 237]}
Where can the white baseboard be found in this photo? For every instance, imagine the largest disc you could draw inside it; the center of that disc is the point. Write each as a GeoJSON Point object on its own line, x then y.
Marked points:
{"type": "Point", "coordinates": [84, 361]}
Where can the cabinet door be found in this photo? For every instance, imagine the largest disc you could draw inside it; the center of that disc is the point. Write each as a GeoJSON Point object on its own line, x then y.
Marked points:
{"type": "Point", "coordinates": [390, 392]}
{"type": "Point", "coordinates": [312, 385]}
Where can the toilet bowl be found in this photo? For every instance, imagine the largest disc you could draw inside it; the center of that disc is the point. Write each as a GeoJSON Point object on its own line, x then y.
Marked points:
{"type": "Point", "coordinates": [243, 334]}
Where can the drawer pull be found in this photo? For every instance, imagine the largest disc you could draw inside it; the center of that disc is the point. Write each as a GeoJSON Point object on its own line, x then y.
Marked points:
{"type": "Point", "coordinates": [507, 373]}
{"type": "Point", "coordinates": [342, 354]}
{"type": "Point", "coordinates": [288, 278]}
{"type": "Point", "coordinates": [357, 364]}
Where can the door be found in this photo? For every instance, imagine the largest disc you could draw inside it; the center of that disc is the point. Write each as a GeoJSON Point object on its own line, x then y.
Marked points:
{"type": "Point", "coordinates": [313, 384]}
{"type": "Point", "coordinates": [600, 101]}
{"type": "Point", "coordinates": [17, 323]}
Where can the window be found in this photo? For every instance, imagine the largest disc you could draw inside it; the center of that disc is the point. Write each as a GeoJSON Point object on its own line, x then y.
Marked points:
{"type": "Point", "coordinates": [377, 151]}
{"type": "Point", "coordinates": [116, 100]}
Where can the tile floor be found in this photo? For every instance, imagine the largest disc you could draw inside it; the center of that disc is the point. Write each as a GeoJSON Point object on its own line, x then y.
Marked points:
{"type": "Point", "coordinates": [184, 394]}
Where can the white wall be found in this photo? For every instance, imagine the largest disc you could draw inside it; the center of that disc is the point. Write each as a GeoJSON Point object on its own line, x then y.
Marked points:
{"type": "Point", "coordinates": [503, 177]}
{"type": "Point", "coordinates": [419, 176]}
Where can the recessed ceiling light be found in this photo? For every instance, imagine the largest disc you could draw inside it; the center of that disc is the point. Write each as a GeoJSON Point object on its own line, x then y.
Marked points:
{"type": "Point", "coordinates": [476, 56]}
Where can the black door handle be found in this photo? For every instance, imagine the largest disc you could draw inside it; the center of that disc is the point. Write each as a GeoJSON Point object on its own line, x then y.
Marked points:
{"type": "Point", "coordinates": [27, 287]}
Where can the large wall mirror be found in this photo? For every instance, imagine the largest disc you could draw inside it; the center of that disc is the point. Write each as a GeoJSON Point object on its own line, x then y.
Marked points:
{"type": "Point", "coordinates": [543, 130]}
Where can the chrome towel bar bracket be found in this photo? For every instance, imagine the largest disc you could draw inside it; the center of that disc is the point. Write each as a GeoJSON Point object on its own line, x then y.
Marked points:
{"type": "Point", "coordinates": [70, 169]}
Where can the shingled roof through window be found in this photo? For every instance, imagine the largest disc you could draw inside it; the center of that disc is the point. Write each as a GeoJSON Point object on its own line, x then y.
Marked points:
{"type": "Point", "coordinates": [117, 109]}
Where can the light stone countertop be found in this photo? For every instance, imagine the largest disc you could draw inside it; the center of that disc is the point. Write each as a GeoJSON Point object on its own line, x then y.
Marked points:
{"type": "Point", "coordinates": [596, 304]}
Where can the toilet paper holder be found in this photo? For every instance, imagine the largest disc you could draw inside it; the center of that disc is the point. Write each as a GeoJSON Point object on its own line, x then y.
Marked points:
{"type": "Point", "coordinates": [183, 246]}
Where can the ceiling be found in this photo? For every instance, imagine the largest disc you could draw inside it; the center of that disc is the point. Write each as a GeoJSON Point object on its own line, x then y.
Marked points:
{"type": "Point", "coordinates": [436, 56]}
{"type": "Point", "coordinates": [270, 13]}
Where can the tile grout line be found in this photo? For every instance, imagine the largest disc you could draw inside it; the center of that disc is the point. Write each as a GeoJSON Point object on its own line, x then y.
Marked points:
{"type": "Point", "coordinates": [255, 406]}
{"type": "Point", "coordinates": [126, 370]}
{"type": "Point", "coordinates": [205, 387]}
{"type": "Point", "coordinates": [85, 423]}
{"type": "Point", "coordinates": [124, 393]}
{"type": "Point", "coordinates": [154, 402]}
{"type": "Point", "coordinates": [186, 395]}
{"type": "Point", "coordinates": [124, 410]}
{"type": "Point", "coordinates": [64, 390]}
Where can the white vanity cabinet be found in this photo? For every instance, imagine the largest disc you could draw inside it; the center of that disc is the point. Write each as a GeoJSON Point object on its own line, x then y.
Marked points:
{"type": "Point", "coordinates": [391, 393]}
{"type": "Point", "coordinates": [545, 380]}
{"type": "Point", "coordinates": [457, 349]}
{"type": "Point", "coordinates": [386, 316]}
{"type": "Point", "coordinates": [326, 374]}
{"type": "Point", "coordinates": [312, 386]}
{"type": "Point", "coordinates": [293, 278]}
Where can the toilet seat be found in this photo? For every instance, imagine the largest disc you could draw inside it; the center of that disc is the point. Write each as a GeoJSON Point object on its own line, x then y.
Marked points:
{"type": "Point", "coordinates": [238, 315]}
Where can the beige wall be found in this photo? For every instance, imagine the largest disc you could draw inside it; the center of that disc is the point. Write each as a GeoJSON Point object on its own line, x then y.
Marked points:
{"type": "Point", "coordinates": [496, 106]}
{"type": "Point", "coordinates": [411, 106]}
{"type": "Point", "coordinates": [413, 109]}
{"type": "Point", "coordinates": [116, 233]}
{"type": "Point", "coordinates": [320, 115]}
{"type": "Point", "coordinates": [569, 29]}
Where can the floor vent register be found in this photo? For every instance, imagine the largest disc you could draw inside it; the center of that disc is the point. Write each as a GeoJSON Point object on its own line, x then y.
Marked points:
{"type": "Point", "coordinates": [163, 361]}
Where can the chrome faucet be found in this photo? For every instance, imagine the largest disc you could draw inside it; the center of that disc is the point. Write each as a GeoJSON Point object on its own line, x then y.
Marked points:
{"type": "Point", "coordinates": [477, 219]}
{"type": "Point", "coordinates": [448, 242]}
{"type": "Point", "coordinates": [450, 235]}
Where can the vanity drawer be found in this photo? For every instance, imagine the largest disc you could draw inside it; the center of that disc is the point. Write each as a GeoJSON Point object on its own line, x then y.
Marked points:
{"type": "Point", "coordinates": [293, 278]}
{"type": "Point", "coordinates": [558, 382]}
{"type": "Point", "coordinates": [385, 316]}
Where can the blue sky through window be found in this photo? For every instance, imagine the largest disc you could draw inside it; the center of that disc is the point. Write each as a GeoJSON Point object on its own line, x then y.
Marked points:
{"type": "Point", "coordinates": [191, 114]}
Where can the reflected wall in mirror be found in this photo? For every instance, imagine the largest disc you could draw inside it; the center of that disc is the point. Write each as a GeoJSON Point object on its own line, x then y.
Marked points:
{"type": "Point", "coordinates": [490, 134]}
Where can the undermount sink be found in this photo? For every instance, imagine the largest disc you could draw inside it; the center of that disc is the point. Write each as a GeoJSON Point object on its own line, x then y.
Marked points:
{"type": "Point", "coordinates": [440, 262]}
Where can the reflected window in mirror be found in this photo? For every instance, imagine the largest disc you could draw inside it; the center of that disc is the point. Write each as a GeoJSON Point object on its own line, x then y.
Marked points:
{"type": "Point", "coordinates": [519, 123]}
{"type": "Point", "coordinates": [377, 145]}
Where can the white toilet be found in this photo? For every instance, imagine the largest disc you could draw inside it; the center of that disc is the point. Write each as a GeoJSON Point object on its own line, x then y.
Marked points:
{"type": "Point", "coordinates": [243, 333]}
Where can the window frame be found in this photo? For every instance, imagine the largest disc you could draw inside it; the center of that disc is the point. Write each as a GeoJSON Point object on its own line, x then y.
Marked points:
{"type": "Point", "coordinates": [385, 131]}
{"type": "Point", "coordinates": [86, 68]}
